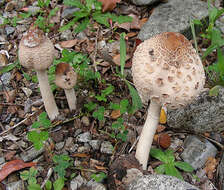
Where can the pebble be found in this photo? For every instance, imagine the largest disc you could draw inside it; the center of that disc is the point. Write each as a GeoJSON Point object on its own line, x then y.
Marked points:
{"type": "Point", "coordinates": [27, 91]}
{"type": "Point", "coordinates": [106, 147]}
{"type": "Point", "coordinates": [3, 60]}
{"type": "Point", "coordinates": [60, 145]}
{"type": "Point", "coordinates": [68, 12]}
{"type": "Point", "coordinates": [85, 121]}
{"type": "Point", "coordinates": [9, 30]}
{"type": "Point", "coordinates": [77, 132]}
{"type": "Point", "coordinates": [84, 137]}
{"type": "Point", "coordinates": [95, 144]}
{"type": "Point", "coordinates": [5, 78]}
{"type": "Point", "coordinates": [160, 182]}
{"type": "Point", "coordinates": [132, 174]}
{"type": "Point", "coordinates": [197, 151]}
{"type": "Point", "coordinates": [31, 154]}
{"type": "Point", "coordinates": [70, 146]}
{"type": "Point", "coordinates": [2, 160]}
{"type": "Point", "coordinates": [17, 185]}
{"type": "Point", "coordinates": [77, 182]}
{"type": "Point", "coordinates": [95, 185]}
{"type": "Point", "coordinates": [83, 149]}
{"type": "Point", "coordinates": [66, 35]}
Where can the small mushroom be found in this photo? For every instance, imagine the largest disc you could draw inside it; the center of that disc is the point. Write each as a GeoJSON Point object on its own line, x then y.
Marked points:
{"type": "Point", "coordinates": [168, 86]}
{"type": "Point", "coordinates": [36, 52]}
{"type": "Point", "coordinates": [66, 78]}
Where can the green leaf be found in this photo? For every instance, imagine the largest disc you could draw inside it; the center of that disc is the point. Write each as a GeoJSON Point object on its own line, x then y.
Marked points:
{"type": "Point", "coordinates": [121, 19]}
{"type": "Point", "coordinates": [82, 26]}
{"type": "Point", "coordinates": [38, 138]}
{"type": "Point", "coordinates": [123, 106]}
{"type": "Point", "coordinates": [197, 22]}
{"type": "Point", "coordinates": [59, 184]}
{"type": "Point", "coordinates": [214, 91]}
{"type": "Point", "coordinates": [136, 100]}
{"type": "Point", "coordinates": [48, 185]}
{"type": "Point", "coordinates": [68, 25]}
{"type": "Point", "coordinates": [101, 18]}
{"type": "Point", "coordinates": [34, 186]}
{"type": "Point", "coordinates": [209, 50]}
{"type": "Point", "coordinates": [62, 162]}
{"type": "Point", "coordinates": [44, 135]}
{"type": "Point", "coordinates": [158, 154]}
{"type": "Point", "coordinates": [36, 124]}
{"type": "Point", "coordinates": [8, 68]}
{"type": "Point", "coordinates": [170, 156]}
{"type": "Point", "coordinates": [172, 171]}
{"type": "Point", "coordinates": [220, 62]}
{"type": "Point", "coordinates": [90, 106]}
{"type": "Point", "coordinates": [74, 3]}
{"type": "Point", "coordinates": [114, 106]}
{"type": "Point", "coordinates": [98, 177]}
{"type": "Point", "coordinates": [160, 169]}
{"type": "Point", "coordinates": [184, 166]}
{"type": "Point", "coordinates": [122, 52]}
{"type": "Point", "coordinates": [99, 114]}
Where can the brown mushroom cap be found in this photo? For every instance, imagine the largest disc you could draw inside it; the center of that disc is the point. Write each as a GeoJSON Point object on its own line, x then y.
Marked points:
{"type": "Point", "coordinates": [167, 68]}
{"type": "Point", "coordinates": [65, 76]}
{"type": "Point", "coordinates": [36, 51]}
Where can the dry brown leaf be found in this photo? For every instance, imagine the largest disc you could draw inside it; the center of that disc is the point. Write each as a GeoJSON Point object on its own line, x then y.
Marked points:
{"type": "Point", "coordinates": [108, 5]}
{"type": "Point", "coordinates": [10, 96]}
{"type": "Point", "coordinates": [160, 128]}
{"type": "Point", "coordinates": [115, 114]}
{"type": "Point", "coordinates": [12, 166]}
{"type": "Point", "coordinates": [68, 43]}
{"type": "Point", "coordinates": [116, 60]}
{"type": "Point", "coordinates": [210, 167]}
{"type": "Point", "coordinates": [80, 155]}
{"type": "Point", "coordinates": [164, 140]}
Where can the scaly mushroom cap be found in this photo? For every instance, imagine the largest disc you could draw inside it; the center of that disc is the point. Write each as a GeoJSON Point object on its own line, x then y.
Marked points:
{"type": "Point", "coordinates": [36, 51]}
{"type": "Point", "coordinates": [167, 68]}
{"type": "Point", "coordinates": [65, 76]}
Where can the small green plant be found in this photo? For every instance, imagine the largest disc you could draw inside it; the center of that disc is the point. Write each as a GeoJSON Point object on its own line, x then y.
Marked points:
{"type": "Point", "coordinates": [213, 36]}
{"type": "Point", "coordinates": [99, 113]}
{"type": "Point", "coordinates": [122, 132]}
{"type": "Point", "coordinates": [62, 163]}
{"type": "Point", "coordinates": [91, 9]}
{"type": "Point", "coordinates": [169, 164]}
{"type": "Point", "coordinates": [105, 93]}
{"type": "Point", "coordinates": [29, 175]}
{"type": "Point", "coordinates": [99, 177]}
{"type": "Point", "coordinates": [36, 137]}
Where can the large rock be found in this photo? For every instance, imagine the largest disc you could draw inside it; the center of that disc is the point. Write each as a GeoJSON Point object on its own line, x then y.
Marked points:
{"type": "Point", "coordinates": [204, 114]}
{"type": "Point", "coordinates": [174, 16]}
{"type": "Point", "coordinates": [160, 182]}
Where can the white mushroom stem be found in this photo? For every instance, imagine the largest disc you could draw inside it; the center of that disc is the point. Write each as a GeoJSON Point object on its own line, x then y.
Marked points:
{"type": "Point", "coordinates": [71, 98]}
{"type": "Point", "coordinates": [147, 134]}
{"type": "Point", "coordinates": [47, 95]}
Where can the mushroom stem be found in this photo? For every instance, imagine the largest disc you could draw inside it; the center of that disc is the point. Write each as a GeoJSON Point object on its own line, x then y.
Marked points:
{"type": "Point", "coordinates": [71, 98]}
{"type": "Point", "coordinates": [47, 95]}
{"type": "Point", "coordinates": [147, 134]}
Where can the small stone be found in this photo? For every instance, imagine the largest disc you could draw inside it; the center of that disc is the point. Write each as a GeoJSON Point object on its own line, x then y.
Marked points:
{"type": "Point", "coordinates": [66, 35]}
{"type": "Point", "coordinates": [77, 132]}
{"type": "Point", "coordinates": [21, 28]}
{"type": "Point", "coordinates": [160, 182]}
{"type": "Point", "coordinates": [77, 182]}
{"type": "Point", "coordinates": [197, 151]}
{"type": "Point", "coordinates": [2, 160]}
{"type": "Point", "coordinates": [83, 149]}
{"type": "Point", "coordinates": [95, 185]}
{"type": "Point", "coordinates": [84, 137]}
{"type": "Point", "coordinates": [27, 91]}
{"type": "Point", "coordinates": [69, 12]}
{"type": "Point", "coordinates": [95, 144]}
{"type": "Point", "coordinates": [70, 146]}
{"type": "Point", "coordinates": [17, 185]}
{"type": "Point", "coordinates": [9, 30]}
{"type": "Point", "coordinates": [132, 174]}
{"type": "Point", "coordinates": [106, 147]}
{"type": "Point", "coordinates": [85, 121]}
{"type": "Point", "coordinates": [5, 78]}
{"type": "Point", "coordinates": [60, 145]}
{"type": "Point", "coordinates": [31, 154]}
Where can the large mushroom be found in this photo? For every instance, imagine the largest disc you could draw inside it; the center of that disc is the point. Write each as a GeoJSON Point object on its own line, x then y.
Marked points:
{"type": "Point", "coordinates": [66, 78]}
{"type": "Point", "coordinates": [167, 71]}
{"type": "Point", "coordinates": [36, 52]}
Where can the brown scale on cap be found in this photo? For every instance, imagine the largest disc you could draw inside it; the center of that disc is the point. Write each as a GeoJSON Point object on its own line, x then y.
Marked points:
{"type": "Point", "coordinates": [178, 65]}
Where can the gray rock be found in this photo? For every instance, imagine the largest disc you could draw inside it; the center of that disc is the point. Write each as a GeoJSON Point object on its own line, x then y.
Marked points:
{"type": "Point", "coordinates": [196, 151]}
{"type": "Point", "coordinates": [174, 16]}
{"type": "Point", "coordinates": [2, 160]}
{"type": "Point", "coordinates": [204, 114]}
{"type": "Point", "coordinates": [31, 154]}
{"type": "Point", "coordinates": [66, 35]}
{"type": "Point", "coordinates": [59, 146]}
{"type": "Point", "coordinates": [84, 137]}
{"type": "Point", "coordinates": [160, 182]}
{"type": "Point", "coordinates": [68, 12]}
{"type": "Point", "coordinates": [144, 2]}
{"type": "Point", "coordinates": [70, 146]}
{"type": "Point", "coordinates": [83, 149]}
{"type": "Point", "coordinates": [77, 182]}
{"type": "Point", "coordinates": [95, 144]}
{"type": "Point", "coordinates": [221, 172]}
{"type": "Point", "coordinates": [5, 79]}
{"type": "Point", "coordinates": [106, 147]}
{"type": "Point", "coordinates": [17, 185]}
{"type": "Point", "coordinates": [9, 30]}
{"type": "Point", "coordinates": [95, 185]}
